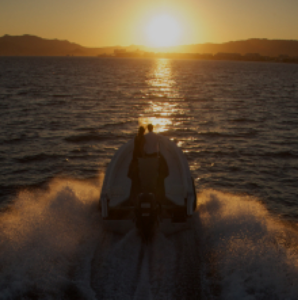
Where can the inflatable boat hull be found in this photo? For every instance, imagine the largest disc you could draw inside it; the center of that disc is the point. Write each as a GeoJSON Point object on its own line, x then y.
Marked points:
{"type": "Point", "coordinates": [168, 213]}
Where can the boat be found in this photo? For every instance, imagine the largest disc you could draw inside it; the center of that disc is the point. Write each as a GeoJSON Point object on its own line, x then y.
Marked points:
{"type": "Point", "coordinates": [164, 202]}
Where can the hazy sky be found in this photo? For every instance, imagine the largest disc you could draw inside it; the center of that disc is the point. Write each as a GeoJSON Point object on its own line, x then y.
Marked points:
{"type": "Point", "coordinates": [123, 22]}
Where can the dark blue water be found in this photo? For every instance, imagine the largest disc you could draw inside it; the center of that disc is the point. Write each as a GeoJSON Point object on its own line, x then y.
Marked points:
{"type": "Point", "coordinates": [61, 121]}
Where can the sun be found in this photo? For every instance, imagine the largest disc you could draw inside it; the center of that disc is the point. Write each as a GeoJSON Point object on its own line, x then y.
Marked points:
{"type": "Point", "coordinates": [163, 31]}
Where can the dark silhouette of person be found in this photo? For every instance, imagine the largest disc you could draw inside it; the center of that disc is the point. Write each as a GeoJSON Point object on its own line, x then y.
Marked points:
{"type": "Point", "coordinates": [152, 149]}
{"type": "Point", "coordinates": [133, 171]}
{"type": "Point", "coordinates": [152, 143]}
{"type": "Point", "coordinates": [139, 142]}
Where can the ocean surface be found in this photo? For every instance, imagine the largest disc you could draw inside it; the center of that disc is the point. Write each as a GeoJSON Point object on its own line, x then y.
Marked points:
{"type": "Point", "coordinates": [62, 120]}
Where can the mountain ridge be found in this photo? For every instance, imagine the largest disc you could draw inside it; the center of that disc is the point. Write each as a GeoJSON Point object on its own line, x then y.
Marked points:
{"type": "Point", "coordinates": [30, 45]}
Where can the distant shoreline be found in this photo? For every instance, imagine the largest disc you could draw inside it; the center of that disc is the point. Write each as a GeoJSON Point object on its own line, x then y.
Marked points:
{"type": "Point", "coordinates": [177, 56]}
{"type": "Point", "coordinates": [249, 57]}
{"type": "Point", "coordinates": [245, 50]}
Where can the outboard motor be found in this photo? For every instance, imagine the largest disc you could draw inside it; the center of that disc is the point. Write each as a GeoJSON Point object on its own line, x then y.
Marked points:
{"type": "Point", "coordinates": [147, 215]}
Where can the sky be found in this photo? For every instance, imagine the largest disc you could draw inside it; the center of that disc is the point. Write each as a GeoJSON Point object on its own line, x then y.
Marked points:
{"type": "Point", "coordinates": [99, 23]}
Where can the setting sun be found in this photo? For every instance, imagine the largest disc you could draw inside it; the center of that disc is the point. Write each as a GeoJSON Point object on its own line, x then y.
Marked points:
{"type": "Point", "coordinates": [163, 31]}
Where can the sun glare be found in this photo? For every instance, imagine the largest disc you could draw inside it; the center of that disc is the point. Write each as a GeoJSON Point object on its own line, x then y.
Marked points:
{"type": "Point", "coordinates": [163, 31]}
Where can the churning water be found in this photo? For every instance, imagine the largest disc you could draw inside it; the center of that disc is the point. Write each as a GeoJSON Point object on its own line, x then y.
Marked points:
{"type": "Point", "coordinates": [62, 120]}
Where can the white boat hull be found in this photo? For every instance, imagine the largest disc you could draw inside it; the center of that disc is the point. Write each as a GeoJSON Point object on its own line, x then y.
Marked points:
{"type": "Point", "coordinates": [179, 194]}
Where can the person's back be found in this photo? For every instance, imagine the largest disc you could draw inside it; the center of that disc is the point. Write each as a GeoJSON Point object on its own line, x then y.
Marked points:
{"type": "Point", "coordinates": [133, 171]}
{"type": "Point", "coordinates": [139, 143]}
{"type": "Point", "coordinates": [151, 147]}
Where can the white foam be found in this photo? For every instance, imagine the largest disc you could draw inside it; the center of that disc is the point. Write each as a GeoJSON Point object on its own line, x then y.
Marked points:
{"type": "Point", "coordinates": [43, 235]}
{"type": "Point", "coordinates": [247, 253]}
{"type": "Point", "coordinates": [52, 245]}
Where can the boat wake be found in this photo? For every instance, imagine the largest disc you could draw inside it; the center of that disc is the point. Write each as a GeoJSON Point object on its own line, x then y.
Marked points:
{"type": "Point", "coordinates": [248, 254]}
{"type": "Point", "coordinates": [53, 246]}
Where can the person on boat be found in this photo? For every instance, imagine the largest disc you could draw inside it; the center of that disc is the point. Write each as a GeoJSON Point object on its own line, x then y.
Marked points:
{"type": "Point", "coordinates": [152, 149]}
{"type": "Point", "coordinates": [151, 143]}
{"type": "Point", "coordinates": [138, 151]}
{"type": "Point", "coordinates": [133, 171]}
{"type": "Point", "coordinates": [139, 142]}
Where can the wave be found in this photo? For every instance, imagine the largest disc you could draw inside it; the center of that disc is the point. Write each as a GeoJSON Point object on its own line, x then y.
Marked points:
{"type": "Point", "coordinates": [282, 154]}
{"type": "Point", "coordinates": [273, 154]}
{"type": "Point", "coordinates": [53, 244]}
{"type": "Point", "coordinates": [289, 122]}
{"type": "Point", "coordinates": [23, 93]}
{"type": "Point", "coordinates": [242, 120]}
{"type": "Point", "coordinates": [197, 98]}
{"type": "Point", "coordinates": [116, 124]}
{"type": "Point", "coordinates": [14, 139]}
{"type": "Point", "coordinates": [37, 157]}
{"type": "Point", "coordinates": [221, 153]}
{"type": "Point", "coordinates": [62, 95]}
{"type": "Point", "coordinates": [248, 253]}
{"type": "Point", "coordinates": [87, 138]}
{"type": "Point", "coordinates": [213, 134]}
{"type": "Point", "coordinates": [44, 235]}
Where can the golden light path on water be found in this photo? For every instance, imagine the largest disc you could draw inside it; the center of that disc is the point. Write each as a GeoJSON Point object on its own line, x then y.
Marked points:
{"type": "Point", "coordinates": [162, 88]}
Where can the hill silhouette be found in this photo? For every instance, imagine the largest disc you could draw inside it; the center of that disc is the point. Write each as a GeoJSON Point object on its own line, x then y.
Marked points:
{"type": "Point", "coordinates": [264, 47]}
{"type": "Point", "coordinates": [28, 45]}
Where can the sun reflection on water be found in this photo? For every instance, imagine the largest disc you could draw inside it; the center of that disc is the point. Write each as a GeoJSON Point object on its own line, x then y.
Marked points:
{"type": "Point", "coordinates": [163, 91]}
{"type": "Point", "coordinates": [160, 80]}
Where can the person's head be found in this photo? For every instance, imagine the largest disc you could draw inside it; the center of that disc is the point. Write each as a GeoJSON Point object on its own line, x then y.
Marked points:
{"type": "Point", "coordinates": [150, 127]}
{"type": "Point", "coordinates": [141, 130]}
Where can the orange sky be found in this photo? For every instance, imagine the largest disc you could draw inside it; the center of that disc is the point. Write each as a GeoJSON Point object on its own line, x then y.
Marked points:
{"type": "Point", "coordinates": [96, 23]}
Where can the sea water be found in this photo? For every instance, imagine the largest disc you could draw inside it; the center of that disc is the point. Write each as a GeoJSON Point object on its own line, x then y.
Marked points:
{"type": "Point", "coordinates": [62, 119]}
